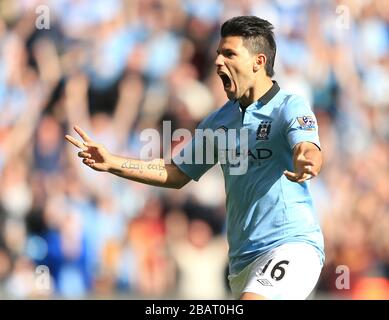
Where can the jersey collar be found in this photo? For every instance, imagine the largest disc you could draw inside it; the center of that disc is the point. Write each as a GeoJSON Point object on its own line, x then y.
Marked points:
{"type": "Point", "coordinates": [269, 94]}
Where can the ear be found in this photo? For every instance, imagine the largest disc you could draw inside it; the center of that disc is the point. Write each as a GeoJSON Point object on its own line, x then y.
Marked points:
{"type": "Point", "coordinates": [260, 61]}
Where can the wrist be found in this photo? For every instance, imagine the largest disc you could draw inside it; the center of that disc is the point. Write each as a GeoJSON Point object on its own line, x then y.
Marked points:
{"type": "Point", "coordinates": [113, 163]}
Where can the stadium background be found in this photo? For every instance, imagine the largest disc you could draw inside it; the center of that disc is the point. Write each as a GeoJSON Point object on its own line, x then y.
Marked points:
{"type": "Point", "coordinates": [117, 67]}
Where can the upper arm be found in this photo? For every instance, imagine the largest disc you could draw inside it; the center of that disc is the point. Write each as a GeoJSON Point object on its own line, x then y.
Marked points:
{"type": "Point", "coordinates": [299, 123]}
{"type": "Point", "coordinates": [198, 155]}
{"type": "Point", "coordinates": [175, 177]}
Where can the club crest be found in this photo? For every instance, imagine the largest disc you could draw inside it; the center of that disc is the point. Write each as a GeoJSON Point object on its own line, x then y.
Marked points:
{"type": "Point", "coordinates": [263, 130]}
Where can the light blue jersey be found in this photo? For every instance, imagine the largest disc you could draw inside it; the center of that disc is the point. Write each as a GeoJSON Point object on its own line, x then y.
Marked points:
{"type": "Point", "coordinates": [264, 208]}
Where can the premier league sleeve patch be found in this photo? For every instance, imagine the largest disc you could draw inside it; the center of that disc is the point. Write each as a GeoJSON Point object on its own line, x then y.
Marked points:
{"type": "Point", "coordinates": [307, 123]}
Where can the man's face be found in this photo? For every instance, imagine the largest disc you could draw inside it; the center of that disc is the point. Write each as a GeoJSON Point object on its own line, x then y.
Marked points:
{"type": "Point", "coordinates": [234, 65]}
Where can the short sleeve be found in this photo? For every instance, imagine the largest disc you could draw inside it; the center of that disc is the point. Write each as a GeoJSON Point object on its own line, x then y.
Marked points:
{"type": "Point", "coordinates": [198, 155]}
{"type": "Point", "coordinates": [299, 122]}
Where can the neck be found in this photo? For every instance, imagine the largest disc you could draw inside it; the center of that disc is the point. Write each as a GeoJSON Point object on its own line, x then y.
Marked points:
{"type": "Point", "coordinates": [256, 92]}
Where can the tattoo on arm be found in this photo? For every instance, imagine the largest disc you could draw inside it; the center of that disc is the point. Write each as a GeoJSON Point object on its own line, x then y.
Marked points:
{"type": "Point", "coordinates": [159, 167]}
{"type": "Point", "coordinates": [153, 166]}
{"type": "Point", "coordinates": [131, 165]}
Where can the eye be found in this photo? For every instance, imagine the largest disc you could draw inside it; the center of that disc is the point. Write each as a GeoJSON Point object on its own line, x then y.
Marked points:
{"type": "Point", "coordinates": [229, 54]}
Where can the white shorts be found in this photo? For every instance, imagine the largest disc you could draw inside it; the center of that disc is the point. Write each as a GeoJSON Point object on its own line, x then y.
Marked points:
{"type": "Point", "coordinates": [288, 272]}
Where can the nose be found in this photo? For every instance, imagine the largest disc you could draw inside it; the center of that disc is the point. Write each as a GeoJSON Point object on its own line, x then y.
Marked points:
{"type": "Point", "coordinates": [219, 60]}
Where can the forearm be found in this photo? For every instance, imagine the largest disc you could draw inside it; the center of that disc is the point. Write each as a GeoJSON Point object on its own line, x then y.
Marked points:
{"type": "Point", "coordinates": [155, 172]}
{"type": "Point", "coordinates": [310, 152]}
{"type": "Point", "coordinates": [315, 156]}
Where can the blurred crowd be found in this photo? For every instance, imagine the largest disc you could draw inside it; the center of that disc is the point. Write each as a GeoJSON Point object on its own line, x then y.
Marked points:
{"type": "Point", "coordinates": [116, 67]}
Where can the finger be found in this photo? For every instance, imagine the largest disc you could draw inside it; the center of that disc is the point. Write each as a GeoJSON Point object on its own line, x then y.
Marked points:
{"type": "Point", "coordinates": [294, 177]}
{"type": "Point", "coordinates": [92, 145]}
{"type": "Point", "coordinates": [88, 162]}
{"type": "Point", "coordinates": [75, 142]}
{"type": "Point", "coordinates": [304, 177]}
{"type": "Point", "coordinates": [291, 176]}
{"type": "Point", "coordinates": [310, 170]}
{"type": "Point", "coordinates": [83, 154]}
{"type": "Point", "coordinates": [305, 162]}
{"type": "Point", "coordinates": [82, 134]}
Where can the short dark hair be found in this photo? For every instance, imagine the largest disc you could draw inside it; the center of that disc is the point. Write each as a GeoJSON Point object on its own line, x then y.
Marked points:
{"type": "Point", "coordinates": [257, 34]}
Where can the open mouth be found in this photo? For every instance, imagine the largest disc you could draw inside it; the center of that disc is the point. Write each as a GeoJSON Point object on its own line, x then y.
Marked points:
{"type": "Point", "coordinates": [225, 79]}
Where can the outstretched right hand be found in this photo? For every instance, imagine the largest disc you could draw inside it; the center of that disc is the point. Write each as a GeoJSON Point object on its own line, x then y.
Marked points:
{"type": "Point", "coordinates": [93, 154]}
